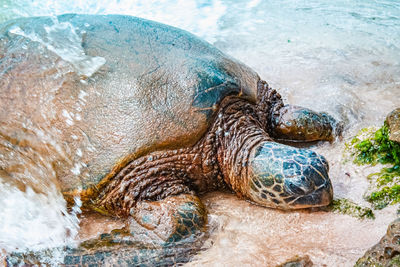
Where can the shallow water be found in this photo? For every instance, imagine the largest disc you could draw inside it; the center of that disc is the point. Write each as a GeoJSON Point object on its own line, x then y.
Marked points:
{"type": "Point", "coordinates": [337, 56]}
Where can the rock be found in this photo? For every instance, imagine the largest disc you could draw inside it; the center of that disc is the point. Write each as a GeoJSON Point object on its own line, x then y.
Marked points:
{"type": "Point", "coordinates": [386, 252]}
{"type": "Point", "coordinates": [298, 261]}
{"type": "Point", "coordinates": [393, 122]}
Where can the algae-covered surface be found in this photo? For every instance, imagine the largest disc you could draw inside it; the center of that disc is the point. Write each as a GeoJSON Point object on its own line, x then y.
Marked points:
{"type": "Point", "coordinates": [346, 206]}
{"type": "Point", "coordinates": [373, 147]}
{"type": "Point", "coordinates": [377, 147]}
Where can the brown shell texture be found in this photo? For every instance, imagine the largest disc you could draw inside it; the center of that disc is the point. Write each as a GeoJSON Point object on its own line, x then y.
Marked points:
{"type": "Point", "coordinates": [82, 95]}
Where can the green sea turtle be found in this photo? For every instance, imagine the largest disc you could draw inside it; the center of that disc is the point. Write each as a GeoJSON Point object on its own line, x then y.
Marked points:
{"type": "Point", "coordinates": [135, 118]}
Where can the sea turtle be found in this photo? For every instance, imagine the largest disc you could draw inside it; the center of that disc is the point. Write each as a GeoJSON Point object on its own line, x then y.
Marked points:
{"type": "Point", "coordinates": [134, 117]}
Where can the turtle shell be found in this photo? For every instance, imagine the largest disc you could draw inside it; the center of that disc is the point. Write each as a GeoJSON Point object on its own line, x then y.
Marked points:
{"type": "Point", "coordinates": [93, 92]}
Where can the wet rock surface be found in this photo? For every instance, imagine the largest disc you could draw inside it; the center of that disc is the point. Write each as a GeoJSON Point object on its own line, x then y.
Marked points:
{"type": "Point", "coordinates": [393, 122]}
{"type": "Point", "coordinates": [298, 261]}
{"type": "Point", "coordinates": [387, 251]}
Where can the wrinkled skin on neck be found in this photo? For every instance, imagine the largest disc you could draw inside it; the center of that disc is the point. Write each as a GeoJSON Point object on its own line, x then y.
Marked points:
{"type": "Point", "coordinates": [237, 151]}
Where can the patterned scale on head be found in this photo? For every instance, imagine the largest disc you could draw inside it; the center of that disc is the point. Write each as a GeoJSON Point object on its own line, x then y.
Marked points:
{"type": "Point", "coordinates": [286, 177]}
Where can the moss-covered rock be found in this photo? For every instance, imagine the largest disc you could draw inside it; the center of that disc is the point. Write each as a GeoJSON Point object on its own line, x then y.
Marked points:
{"type": "Point", "coordinates": [373, 147]}
{"type": "Point", "coordinates": [382, 146]}
{"type": "Point", "coordinates": [387, 252]}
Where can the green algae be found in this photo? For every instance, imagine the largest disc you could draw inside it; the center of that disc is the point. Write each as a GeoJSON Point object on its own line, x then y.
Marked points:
{"type": "Point", "coordinates": [369, 147]}
{"type": "Point", "coordinates": [345, 206]}
{"type": "Point", "coordinates": [373, 262]}
{"type": "Point", "coordinates": [395, 261]}
{"type": "Point", "coordinates": [377, 148]}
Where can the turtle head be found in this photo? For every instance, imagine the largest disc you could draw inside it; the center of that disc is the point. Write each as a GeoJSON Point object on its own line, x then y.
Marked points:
{"type": "Point", "coordinates": [285, 177]}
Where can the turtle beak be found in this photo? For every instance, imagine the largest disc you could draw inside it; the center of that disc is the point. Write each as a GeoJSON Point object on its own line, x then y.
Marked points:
{"type": "Point", "coordinates": [320, 197]}
{"type": "Point", "coordinates": [313, 189]}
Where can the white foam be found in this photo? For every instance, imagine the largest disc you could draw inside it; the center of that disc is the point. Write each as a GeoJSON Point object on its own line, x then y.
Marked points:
{"type": "Point", "coordinates": [200, 17]}
{"type": "Point", "coordinates": [62, 39]}
{"type": "Point", "coordinates": [32, 221]}
{"type": "Point", "coordinates": [79, 152]}
{"type": "Point", "coordinates": [82, 95]}
{"type": "Point", "coordinates": [76, 169]}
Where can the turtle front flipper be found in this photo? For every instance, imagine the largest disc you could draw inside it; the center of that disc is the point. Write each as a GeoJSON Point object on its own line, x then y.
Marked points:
{"type": "Point", "coordinates": [293, 123]}
{"type": "Point", "coordinates": [170, 220]}
{"type": "Point", "coordinates": [159, 233]}
{"type": "Point", "coordinates": [296, 123]}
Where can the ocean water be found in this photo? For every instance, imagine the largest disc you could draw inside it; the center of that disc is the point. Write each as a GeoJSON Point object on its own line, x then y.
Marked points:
{"type": "Point", "coordinates": [337, 56]}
